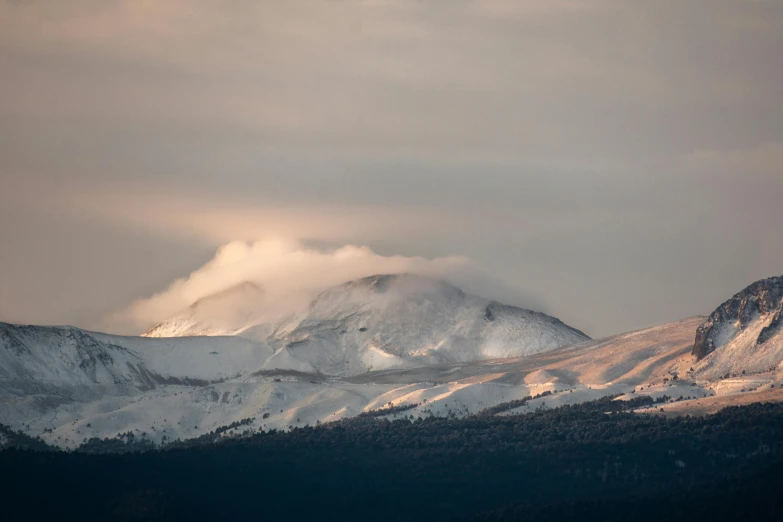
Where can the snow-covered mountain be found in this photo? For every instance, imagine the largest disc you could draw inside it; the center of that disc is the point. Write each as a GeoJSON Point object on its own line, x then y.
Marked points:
{"type": "Point", "coordinates": [382, 321]}
{"type": "Point", "coordinates": [224, 313]}
{"type": "Point", "coordinates": [68, 385]}
{"type": "Point", "coordinates": [389, 339]}
{"type": "Point", "coordinates": [744, 334]}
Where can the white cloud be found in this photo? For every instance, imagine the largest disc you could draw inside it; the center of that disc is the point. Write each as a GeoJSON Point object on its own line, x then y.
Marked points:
{"type": "Point", "coordinates": [288, 272]}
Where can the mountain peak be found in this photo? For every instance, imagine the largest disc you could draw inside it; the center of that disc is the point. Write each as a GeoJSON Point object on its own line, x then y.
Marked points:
{"type": "Point", "coordinates": [403, 320]}
{"type": "Point", "coordinates": [378, 321]}
{"type": "Point", "coordinates": [757, 307]}
{"type": "Point", "coordinates": [223, 312]}
{"type": "Point", "coordinates": [244, 289]}
{"type": "Point", "coordinates": [404, 284]}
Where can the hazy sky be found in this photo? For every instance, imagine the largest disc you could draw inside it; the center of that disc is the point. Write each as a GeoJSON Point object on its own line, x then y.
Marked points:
{"type": "Point", "coordinates": [617, 163]}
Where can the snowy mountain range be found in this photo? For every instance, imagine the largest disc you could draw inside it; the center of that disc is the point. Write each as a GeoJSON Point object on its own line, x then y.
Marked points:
{"type": "Point", "coordinates": [363, 345]}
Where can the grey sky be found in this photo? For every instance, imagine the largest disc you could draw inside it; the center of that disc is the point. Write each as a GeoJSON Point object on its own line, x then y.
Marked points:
{"type": "Point", "coordinates": [619, 162]}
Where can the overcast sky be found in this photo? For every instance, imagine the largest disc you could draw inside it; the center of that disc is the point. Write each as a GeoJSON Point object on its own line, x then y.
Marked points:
{"type": "Point", "coordinates": [617, 164]}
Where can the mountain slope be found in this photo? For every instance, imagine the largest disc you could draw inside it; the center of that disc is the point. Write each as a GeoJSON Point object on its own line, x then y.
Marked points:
{"type": "Point", "coordinates": [34, 359]}
{"type": "Point", "coordinates": [745, 333]}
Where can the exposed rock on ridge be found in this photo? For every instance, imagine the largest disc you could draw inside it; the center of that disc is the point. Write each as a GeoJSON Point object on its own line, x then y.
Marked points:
{"type": "Point", "coordinates": [761, 301]}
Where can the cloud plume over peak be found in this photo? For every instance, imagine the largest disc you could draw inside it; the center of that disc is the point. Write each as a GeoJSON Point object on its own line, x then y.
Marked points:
{"type": "Point", "coordinates": [289, 273]}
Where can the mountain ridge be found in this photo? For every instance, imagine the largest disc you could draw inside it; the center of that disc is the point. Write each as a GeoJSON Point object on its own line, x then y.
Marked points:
{"type": "Point", "coordinates": [372, 343]}
{"type": "Point", "coordinates": [393, 320]}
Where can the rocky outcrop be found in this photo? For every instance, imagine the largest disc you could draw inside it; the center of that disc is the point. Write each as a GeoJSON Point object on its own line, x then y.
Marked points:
{"type": "Point", "coordinates": [761, 301]}
{"type": "Point", "coordinates": [769, 331]}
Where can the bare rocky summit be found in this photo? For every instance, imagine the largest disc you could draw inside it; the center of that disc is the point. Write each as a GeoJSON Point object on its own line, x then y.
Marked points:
{"type": "Point", "coordinates": [754, 312]}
